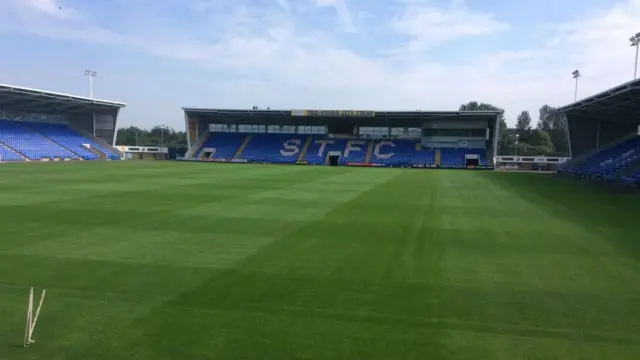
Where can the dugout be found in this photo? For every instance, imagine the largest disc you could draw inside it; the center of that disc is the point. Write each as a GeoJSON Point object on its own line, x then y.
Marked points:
{"type": "Point", "coordinates": [144, 152]}
{"type": "Point", "coordinates": [92, 118]}
{"type": "Point", "coordinates": [529, 163]}
{"type": "Point", "coordinates": [602, 119]}
{"type": "Point", "coordinates": [434, 129]}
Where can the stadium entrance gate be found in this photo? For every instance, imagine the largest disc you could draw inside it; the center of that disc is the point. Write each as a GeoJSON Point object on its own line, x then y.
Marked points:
{"type": "Point", "coordinates": [334, 158]}
{"type": "Point", "coordinates": [144, 152]}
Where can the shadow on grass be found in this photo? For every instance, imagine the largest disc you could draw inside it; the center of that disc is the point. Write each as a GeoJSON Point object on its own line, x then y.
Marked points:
{"type": "Point", "coordinates": [614, 215]}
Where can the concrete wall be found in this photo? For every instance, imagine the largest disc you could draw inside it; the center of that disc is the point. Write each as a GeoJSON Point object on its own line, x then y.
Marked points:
{"type": "Point", "coordinates": [81, 121]}
{"type": "Point", "coordinates": [449, 142]}
{"type": "Point", "coordinates": [457, 124]}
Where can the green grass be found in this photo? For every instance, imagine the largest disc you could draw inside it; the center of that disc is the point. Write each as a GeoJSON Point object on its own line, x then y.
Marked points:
{"type": "Point", "coordinates": [151, 260]}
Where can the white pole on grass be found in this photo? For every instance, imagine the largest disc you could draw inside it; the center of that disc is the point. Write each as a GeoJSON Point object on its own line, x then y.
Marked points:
{"type": "Point", "coordinates": [31, 319]}
{"type": "Point", "coordinates": [27, 328]}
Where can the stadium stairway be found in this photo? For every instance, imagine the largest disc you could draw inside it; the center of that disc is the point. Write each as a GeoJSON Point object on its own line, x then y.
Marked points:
{"type": "Point", "coordinates": [305, 148]}
{"type": "Point", "coordinates": [98, 154]}
{"type": "Point", "coordinates": [63, 137]}
{"type": "Point", "coordinates": [369, 152]}
{"type": "Point", "coordinates": [9, 154]}
{"type": "Point", "coordinates": [195, 150]}
{"type": "Point", "coordinates": [438, 158]}
{"type": "Point", "coordinates": [98, 146]}
{"type": "Point", "coordinates": [103, 146]}
{"type": "Point", "coordinates": [242, 147]}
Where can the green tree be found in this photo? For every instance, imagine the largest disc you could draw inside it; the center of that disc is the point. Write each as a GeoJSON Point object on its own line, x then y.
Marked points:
{"type": "Point", "coordinates": [556, 125]}
{"type": "Point", "coordinates": [535, 142]}
{"type": "Point", "coordinates": [156, 136]}
{"type": "Point", "coordinates": [546, 118]}
{"type": "Point", "coordinates": [543, 143]}
{"type": "Point", "coordinates": [523, 123]}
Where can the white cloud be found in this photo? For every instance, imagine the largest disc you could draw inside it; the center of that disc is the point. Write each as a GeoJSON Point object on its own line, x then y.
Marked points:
{"type": "Point", "coordinates": [48, 8]}
{"type": "Point", "coordinates": [428, 25]}
{"type": "Point", "coordinates": [598, 43]}
{"type": "Point", "coordinates": [342, 10]}
{"type": "Point", "coordinates": [285, 5]}
{"type": "Point", "coordinates": [267, 57]}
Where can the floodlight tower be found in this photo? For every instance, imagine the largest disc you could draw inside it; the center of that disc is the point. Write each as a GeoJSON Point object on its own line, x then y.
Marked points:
{"type": "Point", "coordinates": [517, 138]}
{"type": "Point", "coordinates": [576, 75]}
{"type": "Point", "coordinates": [90, 74]}
{"type": "Point", "coordinates": [635, 41]}
{"type": "Point", "coordinates": [162, 127]}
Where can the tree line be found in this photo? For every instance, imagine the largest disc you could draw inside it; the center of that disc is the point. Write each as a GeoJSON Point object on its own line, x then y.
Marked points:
{"type": "Point", "coordinates": [547, 138]}
{"type": "Point", "coordinates": [156, 136]}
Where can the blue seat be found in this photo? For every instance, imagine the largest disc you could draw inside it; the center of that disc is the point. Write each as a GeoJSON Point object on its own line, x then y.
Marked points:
{"type": "Point", "coordinates": [355, 151]}
{"type": "Point", "coordinates": [606, 163]}
{"type": "Point", "coordinates": [274, 148]}
{"type": "Point", "coordinates": [225, 144]}
{"type": "Point", "coordinates": [7, 154]}
{"type": "Point", "coordinates": [67, 138]}
{"type": "Point", "coordinates": [401, 153]}
{"type": "Point", "coordinates": [31, 144]}
{"type": "Point", "coordinates": [286, 148]}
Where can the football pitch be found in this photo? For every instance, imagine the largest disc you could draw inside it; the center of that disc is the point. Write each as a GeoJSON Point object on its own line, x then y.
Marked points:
{"type": "Point", "coordinates": [167, 260]}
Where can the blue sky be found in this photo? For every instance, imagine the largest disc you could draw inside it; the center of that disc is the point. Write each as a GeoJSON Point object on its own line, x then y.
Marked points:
{"type": "Point", "coordinates": [160, 55]}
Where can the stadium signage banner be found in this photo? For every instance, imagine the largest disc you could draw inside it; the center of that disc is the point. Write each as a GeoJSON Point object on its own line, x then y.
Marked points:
{"type": "Point", "coordinates": [334, 113]}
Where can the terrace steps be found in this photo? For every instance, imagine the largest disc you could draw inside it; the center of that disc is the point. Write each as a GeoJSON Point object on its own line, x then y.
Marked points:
{"type": "Point", "coordinates": [242, 147]}
{"type": "Point", "coordinates": [100, 154]}
{"type": "Point", "coordinates": [369, 152]}
{"type": "Point", "coordinates": [15, 151]}
{"type": "Point", "coordinates": [197, 147]}
{"type": "Point", "coordinates": [304, 148]}
{"type": "Point", "coordinates": [437, 157]}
